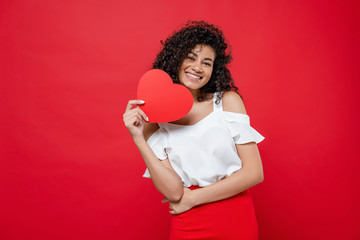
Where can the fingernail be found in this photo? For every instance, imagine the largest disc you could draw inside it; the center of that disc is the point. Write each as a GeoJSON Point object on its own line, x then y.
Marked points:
{"type": "Point", "coordinates": [141, 101]}
{"type": "Point", "coordinates": [147, 119]}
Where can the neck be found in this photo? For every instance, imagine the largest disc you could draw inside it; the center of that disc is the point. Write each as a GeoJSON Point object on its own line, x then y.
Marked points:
{"type": "Point", "coordinates": [195, 93]}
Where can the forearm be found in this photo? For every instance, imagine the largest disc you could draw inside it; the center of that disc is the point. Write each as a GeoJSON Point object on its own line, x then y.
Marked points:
{"type": "Point", "coordinates": [238, 182]}
{"type": "Point", "coordinates": [166, 181]}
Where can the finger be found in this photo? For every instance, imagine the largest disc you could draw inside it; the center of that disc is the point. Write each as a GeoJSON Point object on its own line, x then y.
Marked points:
{"type": "Point", "coordinates": [131, 113]}
{"type": "Point", "coordinates": [131, 117]}
{"type": "Point", "coordinates": [134, 120]}
{"type": "Point", "coordinates": [172, 212]}
{"type": "Point", "coordinates": [128, 115]}
{"type": "Point", "coordinates": [131, 103]}
{"type": "Point", "coordinates": [141, 112]}
{"type": "Point", "coordinates": [138, 120]}
{"type": "Point", "coordinates": [164, 200]}
{"type": "Point", "coordinates": [135, 111]}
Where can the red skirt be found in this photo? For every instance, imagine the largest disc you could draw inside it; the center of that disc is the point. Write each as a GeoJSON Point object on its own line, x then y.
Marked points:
{"type": "Point", "coordinates": [229, 219]}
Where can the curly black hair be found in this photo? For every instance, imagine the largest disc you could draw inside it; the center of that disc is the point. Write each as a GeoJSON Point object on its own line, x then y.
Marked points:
{"type": "Point", "coordinates": [179, 45]}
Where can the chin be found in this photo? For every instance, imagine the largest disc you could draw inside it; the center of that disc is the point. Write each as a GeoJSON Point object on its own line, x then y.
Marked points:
{"type": "Point", "coordinates": [192, 86]}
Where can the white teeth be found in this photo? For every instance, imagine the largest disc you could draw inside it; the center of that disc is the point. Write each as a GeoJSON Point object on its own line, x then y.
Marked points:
{"type": "Point", "coordinates": [193, 76]}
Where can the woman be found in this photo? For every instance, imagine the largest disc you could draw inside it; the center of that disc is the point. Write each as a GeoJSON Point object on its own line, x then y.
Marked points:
{"type": "Point", "coordinates": [203, 163]}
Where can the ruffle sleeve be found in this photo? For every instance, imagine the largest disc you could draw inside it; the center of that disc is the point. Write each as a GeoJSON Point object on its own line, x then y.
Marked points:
{"type": "Point", "coordinates": [159, 144]}
{"type": "Point", "coordinates": [239, 127]}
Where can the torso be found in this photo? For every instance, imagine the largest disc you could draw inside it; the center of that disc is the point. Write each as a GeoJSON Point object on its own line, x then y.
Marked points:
{"type": "Point", "coordinates": [201, 146]}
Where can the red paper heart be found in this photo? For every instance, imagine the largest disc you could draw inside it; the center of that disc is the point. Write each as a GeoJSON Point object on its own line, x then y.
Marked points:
{"type": "Point", "coordinates": [164, 100]}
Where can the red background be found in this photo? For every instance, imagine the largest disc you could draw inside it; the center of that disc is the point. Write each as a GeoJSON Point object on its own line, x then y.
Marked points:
{"type": "Point", "coordinates": [69, 169]}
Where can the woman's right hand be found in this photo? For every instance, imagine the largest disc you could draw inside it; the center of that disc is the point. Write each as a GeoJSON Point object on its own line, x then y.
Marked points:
{"type": "Point", "coordinates": [134, 118]}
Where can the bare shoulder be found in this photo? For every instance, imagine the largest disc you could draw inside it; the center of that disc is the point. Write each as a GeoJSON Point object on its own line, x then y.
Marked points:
{"type": "Point", "coordinates": [232, 102]}
{"type": "Point", "coordinates": [149, 129]}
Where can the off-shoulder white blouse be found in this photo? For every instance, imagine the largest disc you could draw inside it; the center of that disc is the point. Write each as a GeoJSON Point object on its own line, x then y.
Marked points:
{"type": "Point", "coordinates": [204, 153]}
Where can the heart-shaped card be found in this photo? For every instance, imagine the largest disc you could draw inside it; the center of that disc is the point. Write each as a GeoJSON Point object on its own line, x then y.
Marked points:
{"type": "Point", "coordinates": [164, 100]}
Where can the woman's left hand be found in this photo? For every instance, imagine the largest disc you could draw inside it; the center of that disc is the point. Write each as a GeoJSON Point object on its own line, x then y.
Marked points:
{"type": "Point", "coordinates": [183, 205]}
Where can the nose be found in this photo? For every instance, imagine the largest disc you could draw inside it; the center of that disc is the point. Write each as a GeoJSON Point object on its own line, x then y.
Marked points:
{"type": "Point", "coordinates": [197, 67]}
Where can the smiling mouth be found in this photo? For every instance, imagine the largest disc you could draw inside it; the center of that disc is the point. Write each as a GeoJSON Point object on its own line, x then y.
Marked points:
{"type": "Point", "coordinates": [193, 77]}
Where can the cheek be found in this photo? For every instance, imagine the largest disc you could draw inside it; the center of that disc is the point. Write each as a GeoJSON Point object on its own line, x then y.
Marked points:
{"type": "Point", "coordinates": [183, 67]}
{"type": "Point", "coordinates": [210, 72]}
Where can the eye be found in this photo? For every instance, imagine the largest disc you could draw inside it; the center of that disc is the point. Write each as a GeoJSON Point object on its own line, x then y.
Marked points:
{"type": "Point", "coordinates": [190, 57]}
{"type": "Point", "coordinates": [207, 64]}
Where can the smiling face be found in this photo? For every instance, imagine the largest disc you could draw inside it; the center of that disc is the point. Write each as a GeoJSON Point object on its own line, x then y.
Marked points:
{"type": "Point", "coordinates": [196, 69]}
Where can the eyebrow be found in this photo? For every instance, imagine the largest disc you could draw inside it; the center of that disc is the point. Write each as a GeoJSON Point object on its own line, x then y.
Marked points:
{"type": "Point", "coordinates": [204, 58]}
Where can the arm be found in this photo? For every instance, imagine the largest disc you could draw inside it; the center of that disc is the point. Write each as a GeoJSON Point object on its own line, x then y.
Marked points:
{"type": "Point", "coordinates": [164, 178]}
{"type": "Point", "coordinates": [249, 175]}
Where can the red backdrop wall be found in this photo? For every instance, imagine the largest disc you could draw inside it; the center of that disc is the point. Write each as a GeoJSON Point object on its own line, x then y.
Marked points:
{"type": "Point", "coordinates": [69, 169]}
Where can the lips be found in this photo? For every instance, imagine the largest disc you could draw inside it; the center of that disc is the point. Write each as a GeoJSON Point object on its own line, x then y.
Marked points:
{"type": "Point", "coordinates": [193, 77]}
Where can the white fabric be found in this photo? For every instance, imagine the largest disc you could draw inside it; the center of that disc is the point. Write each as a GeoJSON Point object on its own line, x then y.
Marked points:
{"type": "Point", "coordinates": [204, 153]}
